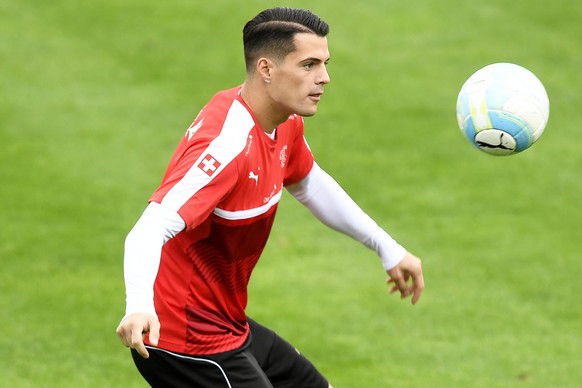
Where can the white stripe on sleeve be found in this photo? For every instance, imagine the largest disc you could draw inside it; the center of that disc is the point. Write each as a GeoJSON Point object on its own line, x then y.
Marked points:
{"type": "Point", "coordinates": [224, 148]}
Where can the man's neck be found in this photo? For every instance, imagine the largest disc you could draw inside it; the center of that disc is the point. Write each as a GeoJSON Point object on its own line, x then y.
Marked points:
{"type": "Point", "coordinates": [257, 99]}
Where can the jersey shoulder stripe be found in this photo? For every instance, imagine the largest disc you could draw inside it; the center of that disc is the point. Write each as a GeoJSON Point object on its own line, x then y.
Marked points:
{"type": "Point", "coordinates": [222, 150]}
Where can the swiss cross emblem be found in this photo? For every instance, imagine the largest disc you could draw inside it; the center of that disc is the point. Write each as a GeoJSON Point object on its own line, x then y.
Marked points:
{"type": "Point", "coordinates": [209, 164]}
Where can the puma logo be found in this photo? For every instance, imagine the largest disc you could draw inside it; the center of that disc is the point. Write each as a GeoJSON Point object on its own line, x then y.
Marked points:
{"type": "Point", "coordinates": [254, 176]}
{"type": "Point", "coordinates": [500, 145]}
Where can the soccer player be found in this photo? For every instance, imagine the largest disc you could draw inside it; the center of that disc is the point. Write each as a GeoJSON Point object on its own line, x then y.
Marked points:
{"type": "Point", "coordinates": [188, 259]}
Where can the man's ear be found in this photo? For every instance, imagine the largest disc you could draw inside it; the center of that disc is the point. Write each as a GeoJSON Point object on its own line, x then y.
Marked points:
{"type": "Point", "coordinates": [264, 66]}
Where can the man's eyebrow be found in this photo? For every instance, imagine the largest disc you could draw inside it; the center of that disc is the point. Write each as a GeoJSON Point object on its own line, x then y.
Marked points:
{"type": "Point", "coordinates": [314, 59]}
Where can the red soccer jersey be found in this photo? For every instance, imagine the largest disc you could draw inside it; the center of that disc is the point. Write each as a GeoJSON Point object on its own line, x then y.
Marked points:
{"type": "Point", "coordinates": [225, 180]}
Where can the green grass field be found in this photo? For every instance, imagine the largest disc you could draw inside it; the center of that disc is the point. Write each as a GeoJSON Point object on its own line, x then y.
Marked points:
{"type": "Point", "coordinates": [95, 95]}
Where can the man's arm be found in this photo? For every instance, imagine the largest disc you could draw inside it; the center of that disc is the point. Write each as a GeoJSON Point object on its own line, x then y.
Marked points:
{"type": "Point", "coordinates": [143, 249]}
{"type": "Point", "coordinates": [325, 198]}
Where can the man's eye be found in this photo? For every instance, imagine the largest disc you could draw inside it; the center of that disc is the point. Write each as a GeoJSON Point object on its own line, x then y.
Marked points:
{"type": "Point", "coordinates": [308, 65]}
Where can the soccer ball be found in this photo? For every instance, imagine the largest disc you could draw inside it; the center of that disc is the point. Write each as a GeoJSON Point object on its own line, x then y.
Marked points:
{"type": "Point", "coordinates": [502, 109]}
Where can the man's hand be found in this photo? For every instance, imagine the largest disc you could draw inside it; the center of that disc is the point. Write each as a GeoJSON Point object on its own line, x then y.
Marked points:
{"type": "Point", "coordinates": [134, 327]}
{"type": "Point", "coordinates": [409, 268]}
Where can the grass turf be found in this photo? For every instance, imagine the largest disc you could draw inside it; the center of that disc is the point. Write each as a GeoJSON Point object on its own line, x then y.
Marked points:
{"type": "Point", "coordinates": [94, 97]}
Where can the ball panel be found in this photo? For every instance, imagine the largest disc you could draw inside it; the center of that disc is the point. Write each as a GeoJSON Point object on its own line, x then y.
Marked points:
{"type": "Point", "coordinates": [529, 111]}
{"type": "Point", "coordinates": [469, 130]}
{"type": "Point", "coordinates": [514, 126]}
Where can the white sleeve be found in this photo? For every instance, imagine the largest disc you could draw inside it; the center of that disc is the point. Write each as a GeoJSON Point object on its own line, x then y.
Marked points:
{"type": "Point", "coordinates": [325, 198]}
{"type": "Point", "coordinates": [143, 249]}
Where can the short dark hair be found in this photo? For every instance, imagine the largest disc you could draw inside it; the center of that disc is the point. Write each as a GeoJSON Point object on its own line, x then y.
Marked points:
{"type": "Point", "coordinates": [272, 32]}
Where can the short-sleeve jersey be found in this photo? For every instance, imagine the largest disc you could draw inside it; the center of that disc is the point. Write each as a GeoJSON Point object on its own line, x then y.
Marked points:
{"type": "Point", "coordinates": [225, 180]}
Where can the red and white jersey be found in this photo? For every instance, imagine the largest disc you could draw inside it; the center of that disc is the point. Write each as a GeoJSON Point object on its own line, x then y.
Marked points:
{"type": "Point", "coordinates": [225, 180]}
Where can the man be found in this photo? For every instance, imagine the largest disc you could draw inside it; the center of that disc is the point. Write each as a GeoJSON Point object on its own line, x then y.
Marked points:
{"type": "Point", "coordinates": [189, 257]}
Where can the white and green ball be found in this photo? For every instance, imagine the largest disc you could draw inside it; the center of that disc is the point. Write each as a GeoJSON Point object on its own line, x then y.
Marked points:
{"type": "Point", "coordinates": [503, 109]}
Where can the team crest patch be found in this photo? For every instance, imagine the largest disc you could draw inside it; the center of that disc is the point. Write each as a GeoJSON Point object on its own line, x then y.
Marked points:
{"type": "Point", "coordinates": [209, 165]}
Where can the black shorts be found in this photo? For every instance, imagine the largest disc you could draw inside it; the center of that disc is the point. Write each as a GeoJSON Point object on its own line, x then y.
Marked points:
{"type": "Point", "coordinates": [264, 361]}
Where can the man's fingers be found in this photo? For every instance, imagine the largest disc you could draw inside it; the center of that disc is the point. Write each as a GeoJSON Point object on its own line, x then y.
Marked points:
{"type": "Point", "coordinates": [399, 284]}
{"type": "Point", "coordinates": [416, 296]}
{"type": "Point", "coordinates": [407, 278]}
{"type": "Point", "coordinates": [141, 350]}
{"type": "Point", "coordinates": [122, 337]}
{"type": "Point", "coordinates": [418, 285]}
{"type": "Point", "coordinates": [154, 332]}
{"type": "Point", "coordinates": [133, 329]}
{"type": "Point", "coordinates": [137, 334]}
{"type": "Point", "coordinates": [402, 286]}
{"type": "Point", "coordinates": [132, 338]}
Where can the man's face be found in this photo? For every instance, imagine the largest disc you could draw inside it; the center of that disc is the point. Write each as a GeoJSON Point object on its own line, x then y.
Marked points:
{"type": "Point", "coordinates": [297, 82]}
